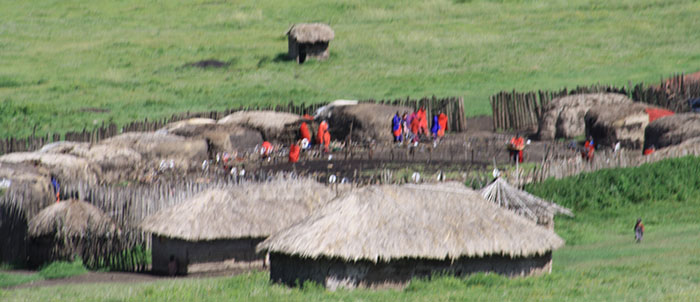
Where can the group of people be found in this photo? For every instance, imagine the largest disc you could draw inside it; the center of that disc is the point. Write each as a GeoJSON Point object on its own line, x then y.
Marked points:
{"type": "Point", "coordinates": [323, 138]}
{"type": "Point", "coordinates": [412, 127]}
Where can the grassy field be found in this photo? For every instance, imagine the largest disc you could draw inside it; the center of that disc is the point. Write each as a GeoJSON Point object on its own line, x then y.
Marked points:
{"type": "Point", "coordinates": [600, 261]}
{"type": "Point", "coordinates": [65, 65]}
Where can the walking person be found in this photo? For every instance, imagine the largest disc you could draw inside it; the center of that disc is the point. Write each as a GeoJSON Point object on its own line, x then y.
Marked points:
{"type": "Point", "coordinates": [638, 230]}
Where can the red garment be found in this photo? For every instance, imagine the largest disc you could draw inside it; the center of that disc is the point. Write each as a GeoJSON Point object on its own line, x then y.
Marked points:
{"type": "Point", "coordinates": [589, 149]}
{"type": "Point", "coordinates": [442, 121]}
{"type": "Point", "coordinates": [656, 113]}
{"type": "Point", "coordinates": [326, 140]}
{"type": "Point", "coordinates": [304, 131]}
{"type": "Point", "coordinates": [397, 132]}
{"type": "Point", "coordinates": [294, 151]}
{"type": "Point", "coordinates": [267, 148]}
{"type": "Point", "coordinates": [648, 151]}
{"type": "Point", "coordinates": [423, 120]}
{"type": "Point", "coordinates": [415, 125]}
{"type": "Point", "coordinates": [517, 142]}
{"type": "Point", "coordinates": [322, 128]}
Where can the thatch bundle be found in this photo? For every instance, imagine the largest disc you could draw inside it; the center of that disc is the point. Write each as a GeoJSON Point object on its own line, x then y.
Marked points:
{"type": "Point", "coordinates": [624, 123]}
{"type": "Point", "coordinates": [272, 125]}
{"type": "Point", "coordinates": [385, 223]}
{"type": "Point", "coordinates": [64, 166]}
{"type": "Point", "coordinates": [71, 218]}
{"type": "Point", "coordinates": [29, 188]}
{"type": "Point", "coordinates": [500, 192]}
{"type": "Point", "coordinates": [367, 121]}
{"type": "Point", "coordinates": [564, 117]}
{"type": "Point", "coordinates": [116, 162]}
{"type": "Point", "coordinates": [310, 32]}
{"type": "Point", "coordinates": [672, 130]}
{"type": "Point", "coordinates": [245, 211]}
{"type": "Point", "coordinates": [220, 137]}
{"type": "Point", "coordinates": [154, 147]}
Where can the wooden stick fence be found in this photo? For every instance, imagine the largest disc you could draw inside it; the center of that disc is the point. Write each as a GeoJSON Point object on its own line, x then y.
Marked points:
{"type": "Point", "coordinates": [523, 110]}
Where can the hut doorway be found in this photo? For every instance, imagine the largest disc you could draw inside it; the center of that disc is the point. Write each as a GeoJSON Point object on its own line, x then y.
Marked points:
{"type": "Point", "coordinates": [302, 54]}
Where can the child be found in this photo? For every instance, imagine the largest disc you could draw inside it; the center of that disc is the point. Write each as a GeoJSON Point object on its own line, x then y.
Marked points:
{"type": "Point", "coordinates": [639, 230]}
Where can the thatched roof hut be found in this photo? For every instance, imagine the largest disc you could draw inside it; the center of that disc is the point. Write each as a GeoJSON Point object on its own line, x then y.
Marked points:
{"type": "Point", "coordinates": [368, 121]}
{"type": "Point", "coordinates": [117, 162]}
{"type": "Point", "coordinates": [274, 126]}
{"type": "Point", "coordinates": [672, 130]}
{"type": "Point", "coordinates": [231, 221]}
{"type": "Point", "coordinates": [564, 117]}
{"type": "Point", "coordinates": [154, 147]}
{"type": "Point", "coordinates": [538, 210]}
{"type": "Point", "coordinates": [382, 235]}
{"type": "Point", "coordinates": [67, 229]}
{"type": "Point", "coordinates": [220, 137]}
{"type": "Point", "coordinates": [623, 123]}
{"type": "Point", "coordinates": [25, 189]}
{"type": "Point", "coordinates": [309, 40]}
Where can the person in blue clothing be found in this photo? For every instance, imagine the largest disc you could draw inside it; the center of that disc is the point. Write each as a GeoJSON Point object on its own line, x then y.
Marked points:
{"type": "Point", "coordinates": [396, 128]}
{"type": "Point", "coordinates": [56, 188]}
{"type": "Point", "coordinates": [436, 127]}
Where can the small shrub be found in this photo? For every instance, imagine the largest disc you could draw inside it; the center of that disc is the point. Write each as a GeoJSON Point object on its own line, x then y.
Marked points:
{"type": "Point", "coordinates": [63, 269]}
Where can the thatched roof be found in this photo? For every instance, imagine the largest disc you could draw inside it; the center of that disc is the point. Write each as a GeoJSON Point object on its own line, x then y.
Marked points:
{"type": "Point", "coordinates": [71, 218]}
{"type": "Point", "coordinates": [381, 223]}
{"type": "Point", "coordinates": [564, 116]}
{"type": "Point", "coordinates": [311, 32]}
{"type": "Point", "coordinates": [157, 146]}
{"type": "Point", "coordinates": [245, 211]}
{"type": "Point", "coordinates": [271, 124]}
{"type": "Point", "coordinates": [523, 203]}
{"type": "Point", "coordinates": [26, 188]}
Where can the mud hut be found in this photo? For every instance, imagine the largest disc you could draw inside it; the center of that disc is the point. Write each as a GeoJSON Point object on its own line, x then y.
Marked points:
{"type": "Point", "coordinates": [564, 117]}
{"type": "Point", "coordinates": [24, 191]}
{"type": "Point", "coordinates": [219, 137]}
{"type": "Point", "coordinates": [156, 147]}
{"type": "Point", "coordinates": [274, 126]}
{"type": "Point", "coordinates": [309, 40]}
{"type": "Point", "coordinates": [117, 162]}
{"type": "Point", "coordinates": [672, 130]}
{"type": "Point", "coordinates": [538, 210]}
{"type": "Point", "coordinates": [64, 166]}
{"type": "Point", "coordinates": [384, 236]}
{"type": "Point", "coordinates": [219, 228]}
{"type": "Point", "coordinates": [69, 229]}
{"type": "Point", "coordinates": [623, 123]}
{"type": "Point", "coordinates": [366, 121]}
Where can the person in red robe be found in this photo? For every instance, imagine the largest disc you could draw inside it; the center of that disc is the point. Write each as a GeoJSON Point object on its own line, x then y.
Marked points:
{"type": "Point", "coordinates": [326, 141]}
{"type": "Point", "coordinates": [415, 128]}
{"type": "Point", "coordinates": [304, 131]}
{"type": "Point", "coordinates": [294, 151]}
{"type": "Point", "coordinates": [517, 145]}
{"type": "Point", "coordinates": [442, 120]}
{"type": "Point", "coordinates": [322, 128]}
{"type": "Point", "coordinates": [588, 149]}
{"type": "Point", "coordinates": [266, 149]}
{"type": "Point", "coordinates": [423, 121]}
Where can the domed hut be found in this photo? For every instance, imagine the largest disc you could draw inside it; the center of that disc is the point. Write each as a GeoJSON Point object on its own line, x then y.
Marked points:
{"type": "Point", "coordinates": [623, 123]}
{"type": "Point", "coordinates": [219, 228]}
{"type": "Point", "coordinates": [24, 190]}
{"type": "Point", "coordinates": [383, 236]}
{"type": "Point", "coordinates": [309, 40]}
{"type": "Point", "coordinates": [274, 126]}
{"type": "Point", "coordinates": [672, 130]}
{"type": "Point", "coordinates": [564, 117]}
{"type": "Point", "coordinates": [537, 210]}
{"type": "Point", "coordinates": [69, 229]}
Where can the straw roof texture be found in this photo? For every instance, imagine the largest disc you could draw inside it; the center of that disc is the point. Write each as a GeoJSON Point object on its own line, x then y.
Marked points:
{"type": "Point", "coordinates": [29, 188]}
{"type": "Point", "coordinates": [381, 223]}
{"type": "Point", "coordinates": [271, 124]}
{"type": "Point", "coordinates": [311, 32]}
{"type": "Point", "coordinates": [500, 192]}
{"type": "Point", "coordinates": [157, 146]}
{"type": "Point", "coordinates": [564, 116]}
{"type": "Point", "coordinates": [71, 219]}
{"type": "Point", "coordinates": [245, 211]}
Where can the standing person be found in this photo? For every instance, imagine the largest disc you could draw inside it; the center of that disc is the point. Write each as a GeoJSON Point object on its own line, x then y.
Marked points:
{"type": "Point", "coordinates": [436, 128]}
{"type": "Point", "coordinates": [588, 149]}
{"type": "Point", "coordinates": [304, 132]}
{"type": "Point", "coordinates": [396, 128]}
{"type": "Point", "coordinates": [56, 188]}
{"type": "Point", "coordinates": [442, 120]}
{"type": "Point", "coordinates": [294, 151]}
{"type": "Point", "coordinates": [517, 144]}
{"type": "Point", "coordinates": [423, 121]}
{"type": "Point", "coordinates": [322, 128]}
{"type": "Point", "coordinates": [326, 141]}
{"type": "Point", "coordinates": [415, 128]}
{"type": "Point", "coordinates": [266, 149]}
{"type": "Point", "coordinates": [638, 230]}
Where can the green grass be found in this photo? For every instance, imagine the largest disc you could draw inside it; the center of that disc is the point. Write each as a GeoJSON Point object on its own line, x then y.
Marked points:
{"type": "Point", "coordinates": [600, 261]}
{"type": "Point", "coordinates": [62, 269]}
{"type": "Point", "coordinates": [12, 279]}
{"type": "Point", "coordinates": [60, 58]}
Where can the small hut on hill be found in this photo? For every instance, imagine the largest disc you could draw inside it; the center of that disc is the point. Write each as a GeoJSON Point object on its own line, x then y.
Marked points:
{"type": "Point", "coordinates": [386, 235]}
{"type": "Point", "coordinates": [309, 40]}
{"type": "Point", "coordinates": [523, 203]}
{"type": "Point", "coordinates": [219, 228]}
{"type": "Point", "coordinates": [68, 229]}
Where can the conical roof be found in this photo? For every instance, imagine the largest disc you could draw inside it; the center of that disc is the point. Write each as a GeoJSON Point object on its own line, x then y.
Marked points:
{"type": "Point", "coordinates": [523, 203]}
{"type": "Point", "coordinates": [71, 218]}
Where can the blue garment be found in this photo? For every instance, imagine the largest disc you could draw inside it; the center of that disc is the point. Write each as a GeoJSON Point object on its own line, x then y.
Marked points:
{"type": "Point", "coordinates": [56, 186]}
{"type": "Point", "coordinates": [436, 125]}
{"type": "Point", "coordinates": [396, 123]}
